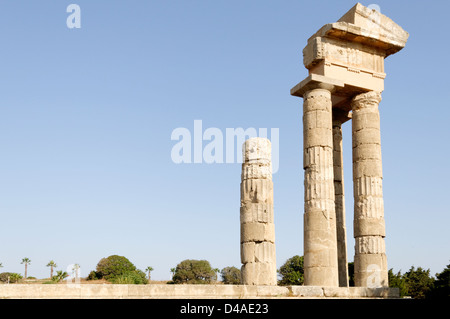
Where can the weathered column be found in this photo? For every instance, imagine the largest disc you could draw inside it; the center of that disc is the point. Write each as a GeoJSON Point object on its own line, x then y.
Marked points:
{"type": "Point", "coordinates": [339, 117]}
{"type": "Point", "coordinates": [256, 215]}
{"type": "Point", "coordinates": [369, 229]}
{"type": "Point", "coordinates": [320, 247]}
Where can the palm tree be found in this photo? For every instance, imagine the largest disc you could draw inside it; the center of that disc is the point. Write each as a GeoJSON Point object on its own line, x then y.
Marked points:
{"type": "Point", "coordinates": [26, 261]}
{"type": "Point", "coordinates": [52, 265]}
{"type": "Point", "coordinates": [60, 275]}
{"type": "Point", "coordinates": [173, 271]}
{"type": "Point", "coordinates": [149, 269]}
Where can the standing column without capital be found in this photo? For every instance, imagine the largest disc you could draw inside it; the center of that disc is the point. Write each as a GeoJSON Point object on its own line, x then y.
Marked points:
{"type": "Point", "coordinates": [320, 246]}
{"type": "Point", "coordinates": [256, 215]}
{"type": "Point", "coordinates": [338, 169]}
{"type": "Point", "coordinates": [369, 227]}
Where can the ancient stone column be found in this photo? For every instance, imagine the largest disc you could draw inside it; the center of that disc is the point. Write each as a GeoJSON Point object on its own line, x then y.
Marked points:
{"type": "Point", "coordinates": [320, 247]}
{"type": "Point", "coordinates": [256, 215]}
{"type": "Point", "coordinates": [339, 117]}
{"type": "Point", "coordinates": [369, 228]}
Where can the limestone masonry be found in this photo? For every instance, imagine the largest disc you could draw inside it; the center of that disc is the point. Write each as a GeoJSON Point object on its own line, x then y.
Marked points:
{"type": "Point", "coordinates": [345, 61]}
{"type": "Point", "coordinates": [257, 227]}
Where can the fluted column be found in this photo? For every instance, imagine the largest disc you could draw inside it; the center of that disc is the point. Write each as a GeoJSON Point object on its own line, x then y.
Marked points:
{"type": "Point", "coordinates": [338, 169]}
{"type": "Point", "coordinates": [320, 247]}
{"type": "Point", "coordinates": [256, 215]}
{"type": "Point", "coordinates": [369, 227]}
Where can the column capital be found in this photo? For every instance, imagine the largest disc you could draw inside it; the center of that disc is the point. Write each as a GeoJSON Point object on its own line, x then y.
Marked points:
{"type": "Point", "coordinates": [366, 100]}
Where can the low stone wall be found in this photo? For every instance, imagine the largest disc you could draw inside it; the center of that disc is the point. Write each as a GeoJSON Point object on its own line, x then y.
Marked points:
{"type": "Point", "coordinates": [107, 291]}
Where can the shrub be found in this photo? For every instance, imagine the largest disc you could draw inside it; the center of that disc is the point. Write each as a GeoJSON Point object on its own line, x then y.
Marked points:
{"type": "Point", "coordinates": [136, 277]}
{"type": "Point", "coordinates": [193, 272]}
{"type": "Point", "coordinates": [113, 266]}
{"type": "Point", "coordinates": [93, 275]}
{"type": "Point", "coordinates": [231, 276]}
{"type": "Point", "coordinates": [13, 277]}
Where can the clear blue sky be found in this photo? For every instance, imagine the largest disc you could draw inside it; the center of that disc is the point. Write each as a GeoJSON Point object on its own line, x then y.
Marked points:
{"type": "Point", "coordinates": [86, 117]}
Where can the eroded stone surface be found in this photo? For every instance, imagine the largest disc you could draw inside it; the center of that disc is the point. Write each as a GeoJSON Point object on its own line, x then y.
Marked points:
{"type": "Point", "coordinates": [345, 61]}
{"type": "Point", "coordinates": [256, 215]}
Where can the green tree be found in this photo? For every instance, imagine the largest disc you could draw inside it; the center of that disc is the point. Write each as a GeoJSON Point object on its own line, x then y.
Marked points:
{"type": "Point", "coordinates": [441, 289]}
{"type": "Point", "coordinates": [419, 282]}
{"type": "Point", "coordinates": [52, 265]}
{"type": "Point", "coordinates": [149, 269]}
{"type": "Point", "coordinates": [292, 272]}
{"type": "Point", "coordinates": [26, 261]}
{"type": "Point", "coordinates": [173, 270]}
{"type": "Point", "coordinates": [191, 271]}
{"type": "Point", "coordinates": [231, 276]}
{"type": "Point", "coordinates": [114, 266]}
{"type": "Point", "coordinates": [398, 281]}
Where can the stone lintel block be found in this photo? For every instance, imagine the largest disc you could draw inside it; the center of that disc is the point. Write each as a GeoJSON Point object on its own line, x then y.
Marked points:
{"type": "Point", "coordinates": [257, 232]}
{"type": "Point", "coordinates": [315, 81]}
{"type": "Point", "coordinates": [369, 227]}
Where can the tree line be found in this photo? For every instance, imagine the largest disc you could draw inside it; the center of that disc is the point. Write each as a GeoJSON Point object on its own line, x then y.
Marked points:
{"type": "Point", "coordinates": [416, 283]}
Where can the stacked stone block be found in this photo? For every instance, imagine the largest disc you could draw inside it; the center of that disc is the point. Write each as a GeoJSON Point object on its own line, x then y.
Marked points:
{"type": "Point", "coordinates": [369, 227]}
{"type": "Point", "coordinates": [256, 215]}
{"type": "Point", "coordinates": [320, 247]}
{"type": "Point", "coordinates": [338, 167]}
